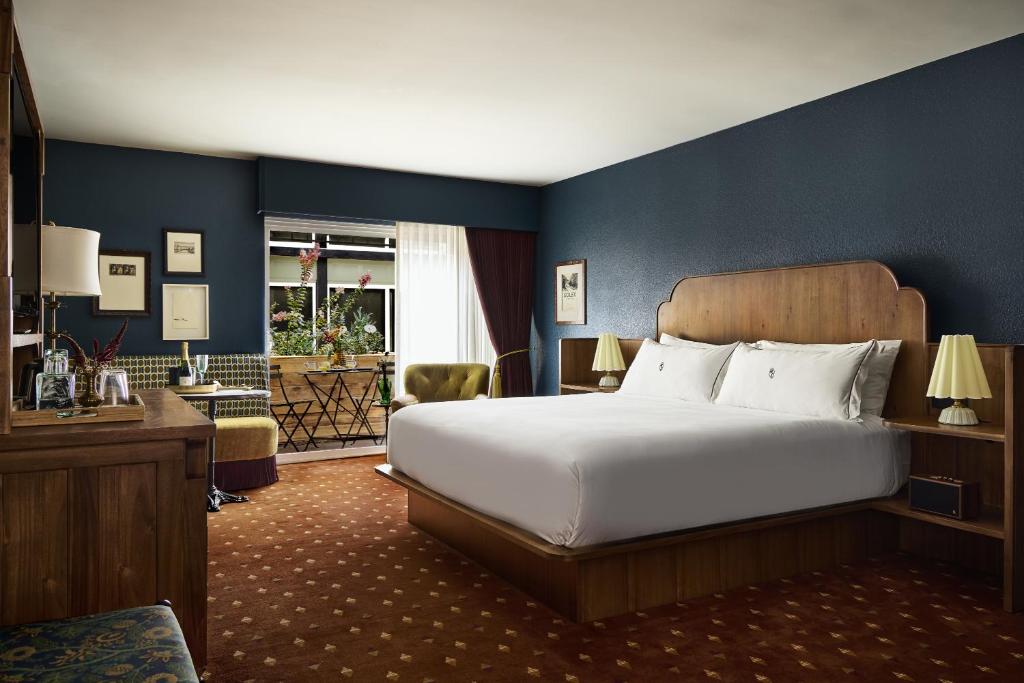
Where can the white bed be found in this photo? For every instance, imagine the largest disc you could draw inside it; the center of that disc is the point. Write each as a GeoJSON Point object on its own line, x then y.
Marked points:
{"type": "Point", "coordinates": [594, 468]}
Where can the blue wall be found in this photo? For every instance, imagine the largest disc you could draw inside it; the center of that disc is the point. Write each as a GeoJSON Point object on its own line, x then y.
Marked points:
{"type": "Point", "coordinates": [129, 196]}
{"type": "Point", "coordinates": [923, 171]}
{"type": "Point", "coordinates": [305, 188]}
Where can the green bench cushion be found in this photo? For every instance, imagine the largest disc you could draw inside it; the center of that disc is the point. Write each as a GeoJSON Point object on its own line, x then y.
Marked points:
{"type": "Point", "coordinates": [137, 645]}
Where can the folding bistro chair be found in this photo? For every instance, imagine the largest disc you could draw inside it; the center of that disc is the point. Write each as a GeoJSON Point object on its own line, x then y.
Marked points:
{"type": "Point", "coordinates": [291, 410]}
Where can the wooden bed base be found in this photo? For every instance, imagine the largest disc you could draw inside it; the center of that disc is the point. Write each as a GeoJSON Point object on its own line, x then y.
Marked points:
{"type": "Point", "coordinates": [596, 582]}
{"type": "Point", "coordinates": [830, 303]}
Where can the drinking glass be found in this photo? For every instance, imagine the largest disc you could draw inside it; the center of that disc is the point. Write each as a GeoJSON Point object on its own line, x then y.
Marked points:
{"type": "Point", "coordinates": [202, 363]}
{"type": "Point", "coordinates": [112, 385]}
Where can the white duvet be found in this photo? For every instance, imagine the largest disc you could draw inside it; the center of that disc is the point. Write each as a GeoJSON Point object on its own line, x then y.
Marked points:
{"type": "Point", "coordinates": [593, 468]}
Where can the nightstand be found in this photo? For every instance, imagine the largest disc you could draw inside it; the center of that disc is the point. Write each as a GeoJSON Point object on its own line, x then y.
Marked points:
{"type": "Point", "coordinates": [991, 453]}
{"type": "Point", "coordinates": [576, 360]}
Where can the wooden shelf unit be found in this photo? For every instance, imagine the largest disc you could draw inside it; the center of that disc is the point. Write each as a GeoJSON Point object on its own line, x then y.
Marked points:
{"type": "Point", "coordinates": [928, 424]}
{"type": "Point", "coordinates": [585, 389]}
{"type": "Point", "coordinates": [576, 358]}
{"type": "Point", "coordinates": [991, 453]}
{"type": "Point", "coordinates": [989, 523]}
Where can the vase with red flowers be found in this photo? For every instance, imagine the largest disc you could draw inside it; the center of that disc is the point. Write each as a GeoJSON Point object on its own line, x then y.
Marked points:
{"type": "Point", "coordinates": [90, 367]}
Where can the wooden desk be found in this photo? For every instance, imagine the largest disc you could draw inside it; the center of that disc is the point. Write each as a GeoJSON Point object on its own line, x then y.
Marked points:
{"type": "Point", "coordinates": [106, 516]}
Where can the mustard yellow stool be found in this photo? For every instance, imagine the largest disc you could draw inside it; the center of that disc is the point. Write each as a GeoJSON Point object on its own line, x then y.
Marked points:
{"type": "Point", "coordinates": [245, 453]}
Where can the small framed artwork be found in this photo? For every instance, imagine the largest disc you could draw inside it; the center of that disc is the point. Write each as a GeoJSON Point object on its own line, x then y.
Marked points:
{"type": "Point", "coordinates": [184, 252]}
{"type": "Point", "coordinates": [571, 292]}
{"type": "Point", "coordinates": [124, 281]}
{"type": "Point", "coordinates": [186, 312]}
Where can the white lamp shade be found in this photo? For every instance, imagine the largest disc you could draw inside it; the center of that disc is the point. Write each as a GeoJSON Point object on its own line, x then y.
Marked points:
{"type": "Point", "coordinates": [609, 355]}
{"type": "Point", "coordinates": [71, 261]}
{"type": "Point", "coordinates": [958, 372]}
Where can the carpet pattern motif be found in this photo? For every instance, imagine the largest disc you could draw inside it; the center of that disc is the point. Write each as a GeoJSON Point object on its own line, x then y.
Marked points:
{"type": "Point", "coordinates": [321, 578]}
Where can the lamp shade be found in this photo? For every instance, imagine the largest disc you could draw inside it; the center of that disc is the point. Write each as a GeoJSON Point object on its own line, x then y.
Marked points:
{"type": "Point", "coordinates": [608, 356]}
{"type": "Point", "coordinates": [958, 372]}
{"type": "Point", "coordinates": [71, 261]}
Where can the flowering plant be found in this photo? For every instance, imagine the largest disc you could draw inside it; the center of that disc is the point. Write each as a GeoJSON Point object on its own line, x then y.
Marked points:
{"type": "Point", "coordinates": [321, 334]}
{"type": "Point", "coordinates": [363, 337]}
{"type": "Point", "coordinates": [100, 357]}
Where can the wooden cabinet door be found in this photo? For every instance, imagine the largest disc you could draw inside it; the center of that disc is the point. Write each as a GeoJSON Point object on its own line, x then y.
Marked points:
{"type": "Point", "coordinates": [82, 540]}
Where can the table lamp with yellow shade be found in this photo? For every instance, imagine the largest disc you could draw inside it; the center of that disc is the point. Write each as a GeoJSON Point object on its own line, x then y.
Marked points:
{"type": "Point", "coordinates": [608, 359]}
{"type": "Point", "coordinates": [958, 374]}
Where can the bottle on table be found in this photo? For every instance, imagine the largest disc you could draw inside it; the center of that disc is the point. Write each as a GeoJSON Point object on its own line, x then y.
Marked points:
{"type": "Point", "coordinates": [185, 373]}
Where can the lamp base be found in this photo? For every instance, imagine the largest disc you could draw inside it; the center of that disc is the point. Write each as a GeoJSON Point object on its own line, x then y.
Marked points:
{"type": "Point", "coordinates": [608, 380]}
{"type": "Point", "coordinates": [958, 414]}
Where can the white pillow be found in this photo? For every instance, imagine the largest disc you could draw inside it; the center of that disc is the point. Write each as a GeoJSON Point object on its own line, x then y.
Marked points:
{"type": "Point", "coordinates": [675, 371]}
{"type": "Point", "coordinates": [878, 367]}
{"type": "Point", "coordinates": [669, 340]}
{"type": "Point", "coordinates": [815, 383]}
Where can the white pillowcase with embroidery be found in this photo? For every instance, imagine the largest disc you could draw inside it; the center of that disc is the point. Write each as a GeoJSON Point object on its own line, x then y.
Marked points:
{"type": "Point", "coordinates": [878, 367]}
{"type": "Point", "coordinates": [669, 340]}
{"type": "Point", "coordinates": [677, 372]}
{"type": "Point", "coordinates": [815, 383]}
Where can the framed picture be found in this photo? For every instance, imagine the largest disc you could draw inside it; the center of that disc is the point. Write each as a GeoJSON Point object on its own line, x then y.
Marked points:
{"type": "Point", "coordinates": [124, 281]}
{"type": "Point", "coordinates": [184, 252]}
{"type": "Point", "coordinates": [571, 292]}
{"type": "Point", "coordinates": [186, 312]}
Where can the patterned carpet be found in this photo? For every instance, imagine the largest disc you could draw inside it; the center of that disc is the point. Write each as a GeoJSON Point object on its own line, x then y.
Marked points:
{"type": "Point", "coordinates": [321, 578]}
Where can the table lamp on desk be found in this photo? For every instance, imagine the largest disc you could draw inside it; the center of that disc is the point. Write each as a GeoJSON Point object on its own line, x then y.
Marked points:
{"type": "Point", "coordinates": [69, 267]}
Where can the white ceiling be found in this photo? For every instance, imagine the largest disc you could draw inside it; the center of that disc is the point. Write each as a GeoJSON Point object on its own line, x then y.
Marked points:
{"type": "Point", "coordinates": [527, 91]}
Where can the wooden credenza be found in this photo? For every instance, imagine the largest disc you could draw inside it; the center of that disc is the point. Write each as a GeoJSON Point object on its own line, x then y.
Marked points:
{"type": "Point", "coordinates": [107, 516]}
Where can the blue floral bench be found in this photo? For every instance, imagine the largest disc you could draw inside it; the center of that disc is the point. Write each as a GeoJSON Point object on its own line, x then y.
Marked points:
{"type": "Point", "coordinates": [138, 644]}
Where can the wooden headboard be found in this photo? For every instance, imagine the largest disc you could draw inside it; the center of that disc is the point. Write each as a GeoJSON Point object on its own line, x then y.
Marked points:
{"type": "Point", "coordinates": [828, 303]}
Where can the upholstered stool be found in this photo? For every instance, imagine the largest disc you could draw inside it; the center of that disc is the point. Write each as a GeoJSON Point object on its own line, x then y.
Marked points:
{"type": "Point", "coordinates": [246, 453]}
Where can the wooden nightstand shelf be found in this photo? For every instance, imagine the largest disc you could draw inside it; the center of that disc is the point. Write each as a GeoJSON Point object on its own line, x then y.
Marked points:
{"type": "Point", "coordinates": [585, 389]}
{"type": "Point", "coordinates": [576, 358]}
{"type": "Point", "coordinates": [991, 453]}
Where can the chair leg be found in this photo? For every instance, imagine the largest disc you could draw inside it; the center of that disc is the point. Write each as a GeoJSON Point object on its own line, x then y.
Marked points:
{"type": "Point", "coordinates": [281, 423]}
{"type": "Point", "coordinates": [310, 439]}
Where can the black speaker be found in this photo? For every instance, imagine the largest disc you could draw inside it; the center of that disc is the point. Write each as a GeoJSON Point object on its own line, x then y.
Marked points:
{"type": "Point", "coordinates": [945, 496]}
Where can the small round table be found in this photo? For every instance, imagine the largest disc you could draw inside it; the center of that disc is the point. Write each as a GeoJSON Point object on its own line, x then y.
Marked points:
{"type": "Point", "coordinates": [214, 496]}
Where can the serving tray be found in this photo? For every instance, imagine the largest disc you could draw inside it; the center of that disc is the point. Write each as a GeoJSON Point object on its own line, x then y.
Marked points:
{"type": "Point", "coordinates": [135, 409]}
{"type": "Point", "coordinates": [195, 388]}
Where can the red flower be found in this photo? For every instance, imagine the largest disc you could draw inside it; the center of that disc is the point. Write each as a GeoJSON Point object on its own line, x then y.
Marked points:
{"type": "Point", "coordinates": [308, 258]}
{"type": "Point", "coordinates": [364, 280]}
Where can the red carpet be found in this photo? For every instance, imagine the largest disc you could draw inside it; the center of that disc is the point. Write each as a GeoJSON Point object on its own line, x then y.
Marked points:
{"type": "Point", "coordinates": [320, 578]}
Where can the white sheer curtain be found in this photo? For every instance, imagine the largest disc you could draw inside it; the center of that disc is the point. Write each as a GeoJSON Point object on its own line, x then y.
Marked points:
{"type": "Point", "coordinates": [438, 316]}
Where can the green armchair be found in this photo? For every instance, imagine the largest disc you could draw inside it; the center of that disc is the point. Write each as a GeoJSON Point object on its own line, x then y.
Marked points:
{"type": "Point", "coordinates": [432, 382]}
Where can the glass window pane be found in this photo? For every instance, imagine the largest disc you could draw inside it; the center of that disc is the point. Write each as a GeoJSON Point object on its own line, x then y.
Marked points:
{"type": "Point", "coordinates": [372, 302]}
{"type": "Point", "coordinates": [342, 241]}
{"type": "Point", "coordinates": [279, 302]}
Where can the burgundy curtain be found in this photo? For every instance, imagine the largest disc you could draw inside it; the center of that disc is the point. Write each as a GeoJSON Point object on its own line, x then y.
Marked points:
{"type": "Point", "coordinates": [503, 269]}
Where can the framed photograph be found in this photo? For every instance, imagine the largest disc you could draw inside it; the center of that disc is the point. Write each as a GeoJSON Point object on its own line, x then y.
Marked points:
{"type": "Point", "coordinates": [186, 312]}
{"type": "Point", "coordinates": [184, 252]}
{"type": "Point", "coordinates": [571, 292]}
{"type": "Point", "coordinates": [124, 281]}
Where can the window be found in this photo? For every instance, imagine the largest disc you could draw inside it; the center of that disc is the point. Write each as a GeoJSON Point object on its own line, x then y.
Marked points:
{"type": "Point", "coordinates": [347, 252]}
